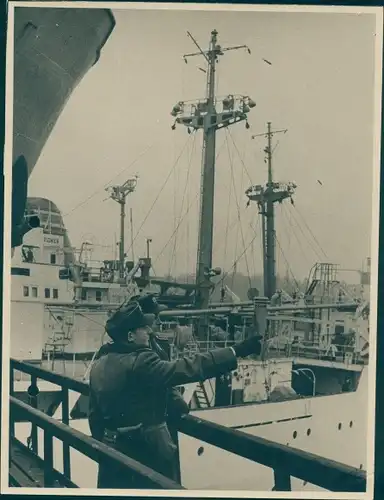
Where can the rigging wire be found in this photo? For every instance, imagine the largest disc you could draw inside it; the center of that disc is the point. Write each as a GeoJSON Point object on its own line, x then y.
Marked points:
{"type": "Point", "coordinates": [304, 236]}
{"type": "Point", "coordinates": [159, 193]}
{"type": "Point", "coordinates": [227, 226]}
{"type": "Point", "coordinates": [82, 203]}
{"type": "Point", "coordinates": [238, 209]}
{"type": "Point", "coordinates": [183, 217]}
{"type": "Point", "coordinates": [310, 231]}
{"type": "Point", "coordinates": [175, 183]}
{"type": "Point", "coordinates": [287, 263]}
{"type": "Point", "coordinates": [293, 232]}
{"type": "Point", "coordinates": [177, 226]}
{"type": "Point", "coordinates": [238, 152]}
{"type": "Point", "coordinates": [241, 255]}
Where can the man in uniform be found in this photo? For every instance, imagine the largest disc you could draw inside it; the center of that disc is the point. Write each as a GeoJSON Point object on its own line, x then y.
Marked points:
{"type": "Point", "coordinates": [133, 390]}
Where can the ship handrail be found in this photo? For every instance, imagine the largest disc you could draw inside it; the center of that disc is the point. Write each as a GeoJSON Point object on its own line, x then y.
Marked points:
{"type": "Point", "coordinates": [93, 449]}
{"type": "Point", "coordinates": [286, 461]}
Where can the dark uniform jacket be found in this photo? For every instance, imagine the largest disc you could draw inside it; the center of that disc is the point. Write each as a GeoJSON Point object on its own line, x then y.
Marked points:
{"type": "Point", "coordinates": [131, 385]}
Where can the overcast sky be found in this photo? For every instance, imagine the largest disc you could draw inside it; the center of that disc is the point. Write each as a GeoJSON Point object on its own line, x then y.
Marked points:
{"type": "Point", "coordinates": [320, 86]}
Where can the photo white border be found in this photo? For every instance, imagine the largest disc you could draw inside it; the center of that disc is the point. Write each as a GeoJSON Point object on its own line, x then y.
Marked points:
{"type": "Point", "coordinates": [113, 6]}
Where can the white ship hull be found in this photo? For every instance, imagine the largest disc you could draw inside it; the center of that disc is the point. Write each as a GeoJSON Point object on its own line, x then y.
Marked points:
{"type": "Point", "coordinates": [334, 427]}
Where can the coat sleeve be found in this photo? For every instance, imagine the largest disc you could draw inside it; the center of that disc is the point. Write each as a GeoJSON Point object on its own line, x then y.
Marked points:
{"type": "Point", "coordinates": [95, 419]}
{"type": "Point", "coordinates": [176, 406]}
{"type": "Point", "coordinates": [185, 370]}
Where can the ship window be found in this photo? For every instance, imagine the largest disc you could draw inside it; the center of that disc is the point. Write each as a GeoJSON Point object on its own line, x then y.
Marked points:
{"type": "Point", "coordinates": [295, 435]}
{"type": "Point", "coordinates": [200, 451]}
{"type": "Point", "coordinates": [339, 426]}
{"type": "Point", "coordinates": [20, 271]}
{"type": "Point", "coordinates": [55, 292]}
{"type": "Point", "coordinates": [53, 258]}
{"type": "Point", "coordinates": [34, 291]}
{"type": "Point", "coordinates": [98, 295]}
{"type": "Point", "coordinates": [308, 432]}
{"type": "Point", "coordinates": [83, 294]}
{"type": "Point", "coordinates": [26, 291]}
{"type": "Point", "coordinates": [350, 423]}
{"type": "Point", "coordinates": [47, 293]}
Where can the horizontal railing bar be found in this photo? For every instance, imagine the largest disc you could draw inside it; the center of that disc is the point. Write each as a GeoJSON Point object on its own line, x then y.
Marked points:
{"type": "Point", "coordinates": [49, 376]}
{"type": "Point", "coordinates": [314, 469]}
{"type": "Point", "coordinates": [57, 476]}
{"type": "Point", "coordinates": [89, 446]}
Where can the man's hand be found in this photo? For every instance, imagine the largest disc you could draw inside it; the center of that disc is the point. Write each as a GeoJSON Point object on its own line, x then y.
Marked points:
{"type": "Point", "coordinates": [248, 347]}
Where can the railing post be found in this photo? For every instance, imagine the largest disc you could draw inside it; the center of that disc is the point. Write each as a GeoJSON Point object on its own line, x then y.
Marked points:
{"type": "Point", "coordinates": [48, 459]}
{"type": "Point", "coordinates": [33, 392]}
{"type": "Point", "coordinates": [282, 480]}
{"type": "Point", "coordinates": [65, 420]}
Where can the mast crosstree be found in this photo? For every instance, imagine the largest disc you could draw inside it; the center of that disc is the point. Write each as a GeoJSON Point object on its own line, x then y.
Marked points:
{"type": "Point", "coordinates": [210, 115]}
{"type": "Point", "coordinates": [119, 194]}
{"type": "Point", "coordinates": [266, 196]}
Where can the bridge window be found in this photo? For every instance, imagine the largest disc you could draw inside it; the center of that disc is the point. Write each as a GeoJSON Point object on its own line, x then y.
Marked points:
{"type": "Point", "coordinates": [55, 292]}
{"type": "Point", "coordinates": [26, 291]}
{"type": "Point", "coordinates": [20, 271]}
{"type": "Point", "coordinates": [34, 291]}
{"type": "Point", "coordinates": [47, 293]}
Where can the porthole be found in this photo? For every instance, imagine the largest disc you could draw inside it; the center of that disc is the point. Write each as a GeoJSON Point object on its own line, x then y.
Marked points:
{"type": "Point", "coordinates": [294, 434]}
{"type": "Point", "coordinates": [361, 466]}
{"type": "Point", "coordinates": [200, 451]}
{"type": "Point", "coordinates": [308, 432]}
{"type": "Point", "coordinates": [339, 426]}
{"type": "Point", "coordinates": [350, 423]}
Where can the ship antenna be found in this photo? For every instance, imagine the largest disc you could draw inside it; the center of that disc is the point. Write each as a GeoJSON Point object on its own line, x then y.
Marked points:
{"type": "Point", "coordinates": [266, 197]}
{"type": "Point", "coordinates": [119, 194]}
{"type": "Point", "coordinates": [209, 114]}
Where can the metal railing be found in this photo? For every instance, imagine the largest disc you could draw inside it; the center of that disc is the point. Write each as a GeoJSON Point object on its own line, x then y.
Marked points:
{"type": "Point", "coordinates": [286, 461]}
{"type": "Point", "coordinates": [344, 353]}
{"type": "Point", "coordinates": [144, 477]}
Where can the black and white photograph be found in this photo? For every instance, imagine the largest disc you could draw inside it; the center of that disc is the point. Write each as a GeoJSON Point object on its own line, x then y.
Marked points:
{"type": "Point", "coordinates": [191, 249]}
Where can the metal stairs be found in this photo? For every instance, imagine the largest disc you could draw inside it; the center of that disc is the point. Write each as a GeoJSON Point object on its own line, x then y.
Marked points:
{"type": "Point", "coordinates": [201, 396]}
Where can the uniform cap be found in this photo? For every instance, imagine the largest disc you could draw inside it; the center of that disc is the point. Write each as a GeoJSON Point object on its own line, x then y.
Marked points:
{"type": "Point", "coordinates": [148, 304]}
{"type": "Point", "coordinates": [127, 319]}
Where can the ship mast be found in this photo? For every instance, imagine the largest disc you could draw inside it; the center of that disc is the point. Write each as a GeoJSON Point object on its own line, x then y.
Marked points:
{"type": "Point", "coordinates": [119, 194]}
{"type": "Point", "coordinates": [210, 115]}
{"type": "Point", "coordinates": [266, 197]}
